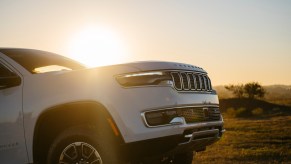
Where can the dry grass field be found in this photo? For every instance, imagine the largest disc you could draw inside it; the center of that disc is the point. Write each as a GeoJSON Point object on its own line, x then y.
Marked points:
{"type": "Point", "coordinates": [264, 140]}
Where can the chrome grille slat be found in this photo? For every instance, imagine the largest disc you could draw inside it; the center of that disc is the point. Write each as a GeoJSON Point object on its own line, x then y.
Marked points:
{"type": "Point", "coordinates": [203, 83]}
{"type": "Point", "coordinates": [196, 114]}
{"type": "Point", "coordinates": [185, 81]}
{"type": "Point", "coordinates": [177, 80]}
{"type": "Point", "coordinates": [198, 81]}
{"type": "Point", "coordinates": [208, 83]}
{"type": "Point", "coordinates": [191, 81]}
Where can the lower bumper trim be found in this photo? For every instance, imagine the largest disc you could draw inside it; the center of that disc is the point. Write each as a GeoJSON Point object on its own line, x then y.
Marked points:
{"type": "Point", "coordinates": [214, 133]}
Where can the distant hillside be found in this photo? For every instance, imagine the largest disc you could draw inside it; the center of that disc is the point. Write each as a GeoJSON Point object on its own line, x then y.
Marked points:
{"type": "Point", "coordinates": [222, 92]}
{"type": "Point", "coordinates": [247, 106]}
{"type": "Point", "coordinates": [278, 94]}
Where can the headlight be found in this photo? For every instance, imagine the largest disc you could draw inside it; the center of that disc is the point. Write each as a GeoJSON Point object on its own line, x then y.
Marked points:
{"type": "Point", "coordinates": [145, 78]}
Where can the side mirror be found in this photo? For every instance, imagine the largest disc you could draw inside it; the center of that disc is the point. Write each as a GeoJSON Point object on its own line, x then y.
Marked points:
{"type": "Point", "coordinates": [10, 81]}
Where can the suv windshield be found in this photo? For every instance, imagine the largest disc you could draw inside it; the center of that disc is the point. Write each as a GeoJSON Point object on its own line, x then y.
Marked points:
{"type": "Point", "coordinates": [36, 61]}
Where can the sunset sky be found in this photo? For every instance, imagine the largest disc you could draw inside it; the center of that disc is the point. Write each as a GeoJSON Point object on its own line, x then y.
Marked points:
{"type": "Point", "coordinates": [236, 41]}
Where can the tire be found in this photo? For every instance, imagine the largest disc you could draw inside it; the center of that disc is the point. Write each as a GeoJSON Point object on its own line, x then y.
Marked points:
{"type": "Point", "coordinates": [185, 158]}
{"type": "Point", "coordinates": [83, 144]}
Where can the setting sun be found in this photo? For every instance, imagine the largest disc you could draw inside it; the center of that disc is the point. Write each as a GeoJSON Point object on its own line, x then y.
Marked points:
{"type": "Point", "coordinates": [97, 46]}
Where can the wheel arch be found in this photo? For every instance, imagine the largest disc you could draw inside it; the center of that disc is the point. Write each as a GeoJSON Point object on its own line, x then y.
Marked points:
{"type": "Point", "coordinates": [55, 119]}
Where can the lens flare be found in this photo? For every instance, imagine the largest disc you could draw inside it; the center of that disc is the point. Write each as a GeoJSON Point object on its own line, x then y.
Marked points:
{"type": "Point", "coordinates": [97, 46]}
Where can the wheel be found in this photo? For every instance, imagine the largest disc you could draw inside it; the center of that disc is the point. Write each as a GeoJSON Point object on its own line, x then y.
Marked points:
{"type": "Point", "coordinates": [185, 158]}
{"type": "Point", "coordinates": [80, 152]}
{"type": "Point", "coordinates": [82, 145]}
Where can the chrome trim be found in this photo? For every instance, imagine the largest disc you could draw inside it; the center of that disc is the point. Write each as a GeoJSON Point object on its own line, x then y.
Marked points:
{"type": "Point", "coordinates": [200, 80]}
{"type": "Point", "coordinates": [178, 121]}
{"type": "Point", "coordinates": [186, 88]}
{"type": "Point", "coordinates": [201, 133]}
{"type": "Point", "coordinates": [195, 85]}
{"type": "Point", "coordinates": [209, 123]}
{"type": "Point", "coordinates": [174, 82]}
{"type": "Point", "coordinates": [208, 84]}
{"type": "Point", "coordinates": [204, 82]}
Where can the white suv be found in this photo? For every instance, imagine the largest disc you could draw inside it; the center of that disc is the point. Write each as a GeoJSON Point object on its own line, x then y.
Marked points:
{"type": "Point", "coordinates": [54, 110]}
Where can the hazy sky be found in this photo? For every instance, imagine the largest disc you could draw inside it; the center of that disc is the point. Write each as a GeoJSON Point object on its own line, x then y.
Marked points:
{"type": "Point", "coordinates": [236, 41]}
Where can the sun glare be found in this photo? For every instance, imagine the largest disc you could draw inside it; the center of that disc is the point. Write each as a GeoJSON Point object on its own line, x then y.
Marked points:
{"type": "Point", "coordinates": [97, 47]}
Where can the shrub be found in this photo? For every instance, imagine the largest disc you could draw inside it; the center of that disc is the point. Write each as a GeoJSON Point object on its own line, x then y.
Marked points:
{"type": "Point", "coordinates": [231, 112]}
{"type": "Point", "coordinates": [241, 112]}
{"type": "Point", "coordinates": [257, 111]}
{"type": "Point", "coordinates": [250, 90]}
{"type": "Point", "coordinates": [276, 109]}
{"type": "Point", "coordinates": [254, 89]}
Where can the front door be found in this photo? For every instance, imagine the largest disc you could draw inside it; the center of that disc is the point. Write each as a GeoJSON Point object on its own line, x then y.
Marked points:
{"type": "Point", "coordinates": [12, 141]}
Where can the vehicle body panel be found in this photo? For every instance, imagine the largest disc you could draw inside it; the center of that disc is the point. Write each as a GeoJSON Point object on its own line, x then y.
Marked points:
{"type": "Point", "coordinates": [12, 143]}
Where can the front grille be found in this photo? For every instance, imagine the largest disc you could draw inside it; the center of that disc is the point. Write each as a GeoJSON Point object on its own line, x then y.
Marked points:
{"type": "Point", "coordinates": [199, 114]}
{"type": "Point", "coordinates": [191, 114]}
{"type": "Point", "coordinates": [191, 81]}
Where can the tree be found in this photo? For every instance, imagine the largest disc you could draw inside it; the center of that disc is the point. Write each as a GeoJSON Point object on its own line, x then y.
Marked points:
{"type": "Point", "coordinates": [254, 89]}
{"type": "Point", "coordinates": [250, 90]}
{"type": "Point", "coordinates": [237, 90]}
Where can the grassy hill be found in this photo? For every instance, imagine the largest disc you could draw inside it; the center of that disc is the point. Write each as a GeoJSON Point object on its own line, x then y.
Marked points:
{"type": "Point", "coordinates": [257, 131]}
{"type": "Point", "coordinates": [252, 108]}
{"type": "Point", "coordinates": [278, 94]}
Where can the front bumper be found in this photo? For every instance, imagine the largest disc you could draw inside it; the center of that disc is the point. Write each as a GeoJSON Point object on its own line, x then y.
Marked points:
{"type": "Point", "coordinates": [127, 105]}
{"type": "Point", "coordinates": [191, 140]}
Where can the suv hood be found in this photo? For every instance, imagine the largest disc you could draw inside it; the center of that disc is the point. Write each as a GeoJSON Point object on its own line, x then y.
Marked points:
{"type": "Point", "coordinates": [160, 65]}
{"type": "Point", "coordinates": [132, 67]}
